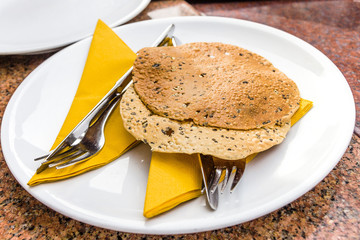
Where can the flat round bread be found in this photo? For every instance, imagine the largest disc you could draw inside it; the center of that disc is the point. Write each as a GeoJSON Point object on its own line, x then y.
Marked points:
{"type": "Point", "coordinates": [172, 136]}
{"type": "Point", "coordinates": [214, 84]}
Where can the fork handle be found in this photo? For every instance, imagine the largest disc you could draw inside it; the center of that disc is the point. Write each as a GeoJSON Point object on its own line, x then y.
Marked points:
{"type": "Point", "coordinates": [101, 120]}
{"type": "Point", "coordinates": [125, 81]}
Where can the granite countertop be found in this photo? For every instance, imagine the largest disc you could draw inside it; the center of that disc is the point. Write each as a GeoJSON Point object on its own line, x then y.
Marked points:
{"type": "Point", "coordinates": [331, 210]}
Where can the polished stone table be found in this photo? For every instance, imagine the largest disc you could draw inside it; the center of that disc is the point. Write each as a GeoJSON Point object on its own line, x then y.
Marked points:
{"type": "Point", "coordinates": [329, 211]}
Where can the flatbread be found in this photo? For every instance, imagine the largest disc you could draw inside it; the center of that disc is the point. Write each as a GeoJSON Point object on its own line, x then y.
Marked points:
{"type": "Point", "coordinates": [214, 84]}
{"type": "Point", "coordinates": [172, 136]}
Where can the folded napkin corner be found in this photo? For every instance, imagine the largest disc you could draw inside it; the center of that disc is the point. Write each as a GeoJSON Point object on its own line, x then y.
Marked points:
{"type": "Point", "coordinates": [173, 178]}
{"type": "Point", "coordinates": [108, 59]}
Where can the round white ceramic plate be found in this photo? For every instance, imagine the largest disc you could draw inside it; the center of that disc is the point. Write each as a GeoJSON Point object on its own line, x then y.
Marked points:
{"type": "Point", "coordinates": [113, 196]}
{"type": "Point", "coordinates": [41, 25]}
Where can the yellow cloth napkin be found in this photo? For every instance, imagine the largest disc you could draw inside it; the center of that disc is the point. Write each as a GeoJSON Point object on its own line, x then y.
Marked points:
{"type": "Point", "coordinates": [305, 106]}
{"type": "Point", "coordinates": [173, 179]}
{"type": "Point", "coordinates": [176, 178]}
{"type": "Point", "coordinates": [108, 59]}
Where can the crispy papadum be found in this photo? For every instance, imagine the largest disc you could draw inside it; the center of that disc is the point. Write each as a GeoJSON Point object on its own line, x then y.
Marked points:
{"type": "Point", "coordinates": [211, 98]}
{"type": "Point", "coordinates": [214, 84]}
{"type": "Point", "coordinates": [172, 136]}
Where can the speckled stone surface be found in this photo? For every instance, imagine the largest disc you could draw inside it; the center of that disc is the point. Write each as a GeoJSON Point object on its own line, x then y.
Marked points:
{"type": "Point", "coordinates": [329, 211]}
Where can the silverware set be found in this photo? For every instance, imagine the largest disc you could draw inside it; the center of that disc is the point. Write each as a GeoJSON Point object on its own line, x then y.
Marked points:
{"type": "Point", "coordinates": [88, 144]}
{"type": "Point", "coordinates": [79, 146]}
{"type": "Point", "coordinates": [87, 139]}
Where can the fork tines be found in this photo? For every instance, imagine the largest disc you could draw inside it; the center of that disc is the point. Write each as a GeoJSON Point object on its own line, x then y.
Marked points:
{"type": "Point", "coordinates": [226, 172]}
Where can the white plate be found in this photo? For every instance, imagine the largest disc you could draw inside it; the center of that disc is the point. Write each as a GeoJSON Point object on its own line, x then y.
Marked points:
{"type": "Point", "coordinates": [40, 25]}
{"type": "Point", "coordinates": [113, 196]}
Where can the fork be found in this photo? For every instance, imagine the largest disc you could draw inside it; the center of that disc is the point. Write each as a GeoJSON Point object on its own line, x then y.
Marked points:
{"type": "Point", "coordinates": [73, 142]}
{"type": "Point", "coordinates": [90, 144]}
{"type": "Point", "coordinates": [217, 174]}
{"type": "Point", "coordinates": [223, 170]}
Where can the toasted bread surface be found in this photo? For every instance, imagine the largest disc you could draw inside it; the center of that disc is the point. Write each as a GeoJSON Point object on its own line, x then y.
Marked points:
{"type": "Point", "coordinates": [214, 84]}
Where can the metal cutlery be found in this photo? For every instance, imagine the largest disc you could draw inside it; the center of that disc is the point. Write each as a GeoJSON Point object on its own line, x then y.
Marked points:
{"type": "Point", "coordinates": [79, 132]}
{"type": "Point", "coordinates": [90, 144]}
{"type": "Point", "coordinates": [217, 174]}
